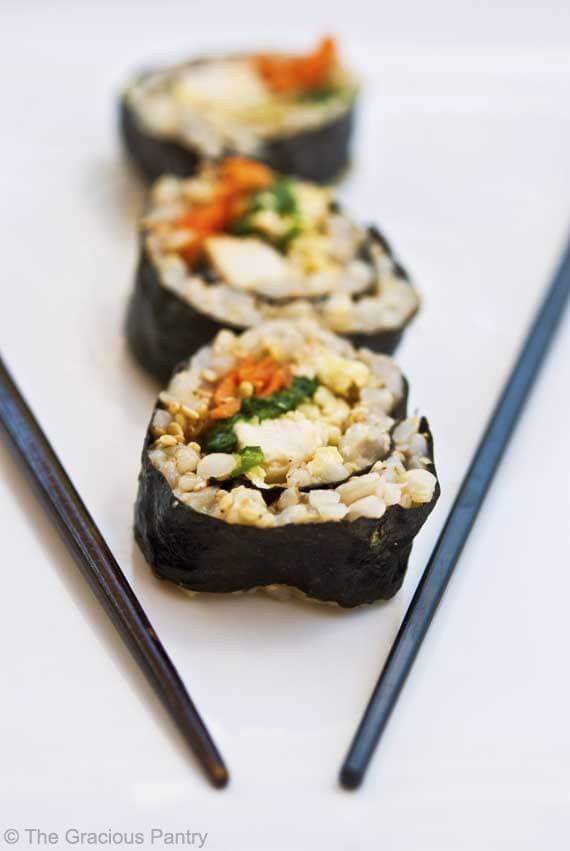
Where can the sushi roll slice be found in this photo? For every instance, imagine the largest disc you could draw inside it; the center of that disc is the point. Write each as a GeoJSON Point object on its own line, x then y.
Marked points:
{"type": "Point", "coordinates": [293, 112]}
{"type": "Point", "coordinates": [239, 244]}
{"type": "Point", "coordinates": [283, 456]}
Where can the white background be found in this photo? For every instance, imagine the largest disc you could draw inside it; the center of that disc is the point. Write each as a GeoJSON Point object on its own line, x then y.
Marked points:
{"type": "Point", "coordinates": [462, 157]}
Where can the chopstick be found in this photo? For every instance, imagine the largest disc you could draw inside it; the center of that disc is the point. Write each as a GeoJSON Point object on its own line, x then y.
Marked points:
{"type": "Point", "coordinates": [98, 565]}
{"type": "Point", "coordinates": [457, 527]}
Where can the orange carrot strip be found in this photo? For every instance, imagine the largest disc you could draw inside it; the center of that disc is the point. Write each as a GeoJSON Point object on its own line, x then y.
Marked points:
{"type": "Point", "coordinates": [227, 388]}
{"type": "Point", "coordinates": [244, 174]}
{"type": "Point", "coordinates": [207, 218]}
{"type": "Point", "coordinates": [226, 409]}
{"type": "Point", "coordinates": [238, 177]}
{"type": "Point", "coordinates": [282, 377]}
{"type": "Point", "coordinates": [315, 69]}
{"type": "Point", "coordinates": [270, 386]}
{"type": "Point", "coordinates": [267, 376]}
{"type": "Point", "coordinates": [296, 73]}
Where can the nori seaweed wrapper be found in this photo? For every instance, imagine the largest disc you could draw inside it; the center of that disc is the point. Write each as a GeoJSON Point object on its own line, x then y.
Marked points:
{"type": "Point", "coordinates": [346, 562]}
{"type": "Point", "coordinates": [153, 155]}
{"type": "Point", "coordinates": [319, 154]}
{"type": "Point", "coordinates": [163, 329]}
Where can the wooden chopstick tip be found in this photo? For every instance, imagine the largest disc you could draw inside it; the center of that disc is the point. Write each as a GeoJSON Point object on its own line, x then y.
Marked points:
{"type": "Point", "coordinates": [219, 775]}
{"type": "Point", "coordinates": [349, 778]}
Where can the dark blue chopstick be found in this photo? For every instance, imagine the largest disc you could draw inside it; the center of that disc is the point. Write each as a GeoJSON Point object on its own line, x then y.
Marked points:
{"type": "Point", "coordinates": [98, 565]}
{"type": "Point", "coordinates": [457, 528]}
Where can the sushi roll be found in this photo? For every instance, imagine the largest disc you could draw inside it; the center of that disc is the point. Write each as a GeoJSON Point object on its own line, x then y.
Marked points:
{"type": "Point", "coordinates": [283, 457]}
{"type": "Point", "coordinates": [240, 244]}
{"type": "Point", "coordinates": [293, 112]}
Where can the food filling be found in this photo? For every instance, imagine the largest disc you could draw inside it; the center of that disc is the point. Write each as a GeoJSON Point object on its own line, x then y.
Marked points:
{"type": "Point", "coordinates": [237, 103]}
{"type": "Point", "coordinates": [286, 423]}
{"type": "Point", "coordinates": [244, 244]}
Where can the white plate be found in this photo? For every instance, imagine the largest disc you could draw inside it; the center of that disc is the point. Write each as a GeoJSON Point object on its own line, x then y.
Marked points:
{"type": "Point", "coordinates": [461, 157]}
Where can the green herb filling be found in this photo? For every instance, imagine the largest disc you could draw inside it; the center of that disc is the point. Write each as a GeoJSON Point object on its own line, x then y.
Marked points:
{"type": "Point", "coordinates": [248, 457]}
{"type": "Point", "coordinates": [280, 199]}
